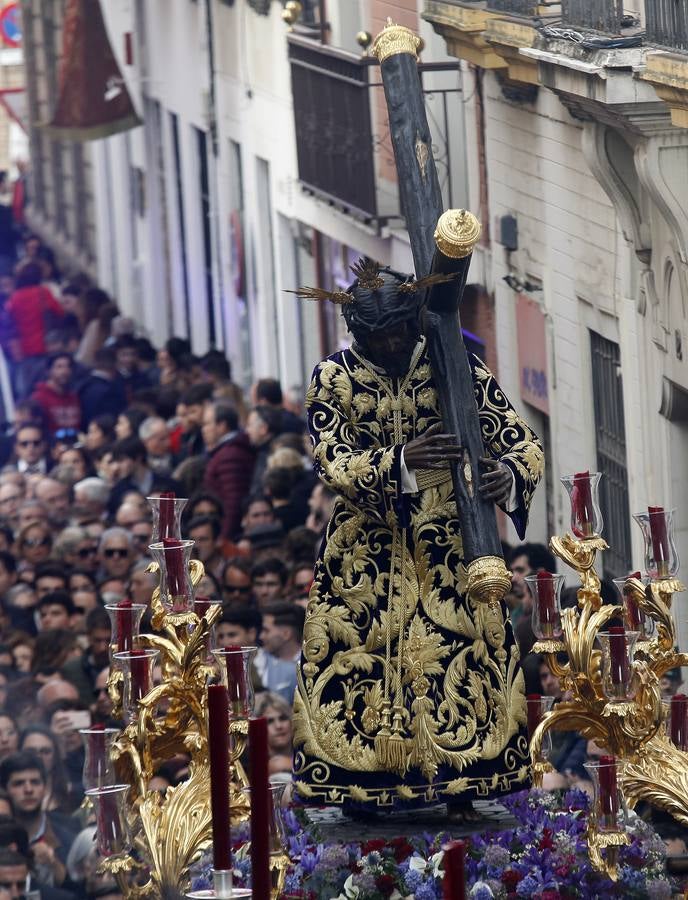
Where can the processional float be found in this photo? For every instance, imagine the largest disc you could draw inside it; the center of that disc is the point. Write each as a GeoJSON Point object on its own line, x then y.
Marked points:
{"type": "Point", "coordinates": [150, 842]}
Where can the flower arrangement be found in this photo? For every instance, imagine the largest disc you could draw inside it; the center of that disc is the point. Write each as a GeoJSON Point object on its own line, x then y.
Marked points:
{"type": "Point", "coordinates": [544, 858]}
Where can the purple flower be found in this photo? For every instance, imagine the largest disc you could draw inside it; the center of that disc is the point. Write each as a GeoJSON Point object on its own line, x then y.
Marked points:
{"type": "Point", "coordinates": [658, 890]}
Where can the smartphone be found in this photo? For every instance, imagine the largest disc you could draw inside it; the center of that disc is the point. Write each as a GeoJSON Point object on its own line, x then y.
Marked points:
{"type": "Point", "coordinates": [78, 719]}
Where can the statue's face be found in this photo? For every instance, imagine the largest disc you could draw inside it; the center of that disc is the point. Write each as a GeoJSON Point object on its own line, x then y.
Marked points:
{"type": "Point", "coordinates": [392, 348]}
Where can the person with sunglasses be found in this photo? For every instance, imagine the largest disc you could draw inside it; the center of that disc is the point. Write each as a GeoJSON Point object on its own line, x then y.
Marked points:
{"type": "Point", "coordinates": [237, 586]}
{"type": "Point", "coordinates": [30, 449]}
{"type": "Point", "coordinates": [115, 553]}
{"type": "Point", "coordinates": [35, 543]}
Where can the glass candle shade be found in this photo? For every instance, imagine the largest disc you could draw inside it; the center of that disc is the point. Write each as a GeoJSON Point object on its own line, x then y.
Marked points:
{"type": "Point", "coordinates": [279, 858]}
{"type": "Point", "coordinates": [167, 516]}
{"type": "Point", "coordinates": [661, 556]}
{"type": "Point", "coordinates": [125, 622]}
{"type": "Point", "coordinates": [537, 706]}
{"type": "Point", "coordinates": [634, 618]}
{"type": "Point", "coordinates": [608, 807]}
{"type": "Point", "coordinates": [545, 589]}
{"type": "Point", "coordinates": [583, 490]}
{"type": "Point", "coordinates": [98, 769]}
{"type": "Point", "coordinates": [137, 668]}
{"type": "Point", "coordinates": [235, 673]}
{"type": "Point", "coordinates": [618, 649]}
{"type": "Point", "coordinates": [112, 836]}
{"type": "Point", "coordinates": [176, 593]}
{"type": "Point", "coordinates": [222, 889]}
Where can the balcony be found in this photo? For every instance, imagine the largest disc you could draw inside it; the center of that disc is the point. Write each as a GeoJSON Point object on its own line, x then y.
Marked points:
{"type": "Point", "coordinates": [667, 23]}
{"type": "Point", "coordinates": [344, 152]}
{"type": "Point", "coordinates": [606, 16]}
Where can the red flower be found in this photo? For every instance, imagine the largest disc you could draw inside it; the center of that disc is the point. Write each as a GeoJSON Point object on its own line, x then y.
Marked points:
{"type": "Point", "coordinates": [546, 843]}
{"type": "Point", "coordinates": [510, 879]}
{"type": "Point", "coordinates": [376, 844]}
{"type": "Point", "coordinates": [386, 884]}
{"type": "Point", "coordinates": [402, 849]}
{"type": "Point", "coordinates": [562, 871]}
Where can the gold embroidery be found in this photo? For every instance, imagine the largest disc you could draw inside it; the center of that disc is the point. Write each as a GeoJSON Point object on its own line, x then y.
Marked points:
{"type": "Point", "coordinates": [377, 634]}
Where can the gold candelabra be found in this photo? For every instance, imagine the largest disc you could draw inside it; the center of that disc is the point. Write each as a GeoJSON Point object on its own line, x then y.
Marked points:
{"type": "Point", "coordinates": [149, 841]}
{"type": "Point", "coordinates": [626, 719]}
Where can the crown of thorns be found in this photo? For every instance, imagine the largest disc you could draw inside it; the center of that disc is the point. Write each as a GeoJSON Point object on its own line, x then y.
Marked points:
{"type": "Point", "coordinates": [368, 277]}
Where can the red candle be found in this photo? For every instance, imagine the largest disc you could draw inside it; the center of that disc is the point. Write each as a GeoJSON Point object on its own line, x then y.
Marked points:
{"type": "Point", "coordinates": [609, 798]}
{"type": "Point", "coordinates": [174, 564]}
{"type": "Point", "coordinates": [546, 608]}
{"type": "Point", "coordinates": [581, 504]}
{"type": "Point", "coordinates": [454, 886]}
{"type": "Point", "coordinates": [218, 749]}
{"type": "Point", "coordinates": [108, 823]}
{"type": "Point", "coordinates": [534, 707]}
{"type": "Point", "coordinates": [633, 613]}
{"type": "Point", "coordinates": [139, 671]}
{"type": "Point", "coordinates": [166, 524]}
{"type": "Point", "coordinates": [236, 679]}
{"type": "Point", "coordinates": [261, 813]}
{"type": "Point", "coordinates": [618, 658]}
{"type": "Point", "coordinates": [660, 542]}
{"type": "Point", "coordinates": [679, 708]}
{"type": "Point", "coordinates": [201, 606]}
{"type": "Point", "coordinates": [125, 626]}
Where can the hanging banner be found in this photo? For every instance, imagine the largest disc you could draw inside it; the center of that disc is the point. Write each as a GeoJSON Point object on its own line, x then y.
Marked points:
{"type": "Point", "coordinates": [93, 100]}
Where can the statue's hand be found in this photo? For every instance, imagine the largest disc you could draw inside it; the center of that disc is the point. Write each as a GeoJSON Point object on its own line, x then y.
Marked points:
{"type": "Point", "coordinates": [432, 450]}
{"type": "Point", "coordinates": [495, 481]}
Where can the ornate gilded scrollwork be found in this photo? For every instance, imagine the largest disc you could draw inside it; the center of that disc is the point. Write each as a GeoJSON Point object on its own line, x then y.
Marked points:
{"type": "Point", "coordinates": [170, 833]}
{"type": "Point", "coordinates": [652, 769]}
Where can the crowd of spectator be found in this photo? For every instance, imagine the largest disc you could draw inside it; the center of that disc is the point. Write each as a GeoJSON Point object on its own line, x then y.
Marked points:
{"type": "Point", "coordinates": [99, 420]}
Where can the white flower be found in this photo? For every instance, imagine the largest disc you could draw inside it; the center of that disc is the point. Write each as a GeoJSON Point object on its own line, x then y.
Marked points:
{"type": "Point", "coordinates": [351, 892]}
{"type": "Point", "coordinates": [436, 861]}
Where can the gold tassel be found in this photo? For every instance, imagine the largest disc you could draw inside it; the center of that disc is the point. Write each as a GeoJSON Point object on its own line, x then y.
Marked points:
{"type": "Point", "coordinates": [390, 746]}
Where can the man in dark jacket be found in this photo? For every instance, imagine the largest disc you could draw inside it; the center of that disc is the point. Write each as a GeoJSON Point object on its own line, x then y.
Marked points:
{"type": "Point", "coordinates": [230, 464]}
{"type": "Point", "coordinates": [103, 391]}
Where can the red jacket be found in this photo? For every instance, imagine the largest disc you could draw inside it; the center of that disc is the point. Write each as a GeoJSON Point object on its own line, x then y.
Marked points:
{"type": "Point", "coordinates": [228, 475]}
{"type": "Point", "coordinates": [61, 410]}
{"type": "Point", "coordinates": [27, 307]}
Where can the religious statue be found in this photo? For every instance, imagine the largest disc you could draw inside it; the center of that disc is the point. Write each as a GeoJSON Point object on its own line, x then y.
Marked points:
{"type": "Point", "coordinates": [409, 690]}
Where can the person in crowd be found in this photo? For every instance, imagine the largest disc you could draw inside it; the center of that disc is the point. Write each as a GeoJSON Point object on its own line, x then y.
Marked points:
{"type": "Point", "coordinates": [127, 365]}
{"type": "Point", "coordinates": [262, 426]}
{"type": "Point", "coordinates": [101, 704]}
{"type": "Point", "coordinates": [56, 498]}
{"type": "Point", "coordinates": [38, 739]}
{"type": "Point", "coordinates": [49, 576]}
{"type": "Point", "coordinates": [280, 637]}
{"type": "Point", "coordinates": [9, 736]}
{"type": "Point", "coordinates": [83, 671]}
{"type": "Point", "coordinates": [236, 581]}
{"type": "Point", "coordinates": [55, 610]}
{"type": "Point", "coordinates": [217, 372]}
{"type": "Point", "coordinates": [280, 733]}
{"type": "Point", "coordinates": [91, 497]}
{"type": "Point", "coordinates": [268, 392]}
{"type": "Point", "coordinates": [568, 747]}
{"type": "Point", "coordinates": [230, 463]}
{"type": "Point", "coordinates": [24, 777]}
{"type": "Point", "coordinates": [56, 397]}
{"type": "Point", "coordinates": [190, 412]}
{"type": "Point", "coordinates": [34, 543]}
{"type": "Point", "coordinates": [258, 512]}
{"type": "Point", "coordinates": [100, 432]}
{"type": "Point", "coordinates": [269, 579]}
{"type": "Point", "coordinates": [31, 309]}
{"type": "Point", "coordinates": [31, 449]}
{"type": "Point", "coordinates": [16, 873]}
{"type": "Point", "coordinates": [102, 394]}
{"type": "Point", "coordinates": [115, 553]}
{"type": "Point", "coordinates": [155, 436]}
{"type": "Point", "coordinates": [76, 463]}
{"type": "Point", "coordinates": [206, 531]}
{"type": "Point", "coordinates": [133, 473]}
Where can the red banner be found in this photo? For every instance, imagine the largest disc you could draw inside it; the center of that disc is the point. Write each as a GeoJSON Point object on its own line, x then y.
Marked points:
{"type": "Point", "coordinates": [93, 100]}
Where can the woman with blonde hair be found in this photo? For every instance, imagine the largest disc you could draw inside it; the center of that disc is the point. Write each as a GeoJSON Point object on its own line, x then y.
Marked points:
{"type": "Point", "coordinates": [280, 733]}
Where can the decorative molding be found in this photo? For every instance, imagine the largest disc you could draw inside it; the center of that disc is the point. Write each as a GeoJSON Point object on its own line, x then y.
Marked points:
{"type": "Point", "coordinates": [463, 29]}
{"type": "Point", "coordinates": [668, 74]}
{"type": "Point", "coordinates": [508, 37]}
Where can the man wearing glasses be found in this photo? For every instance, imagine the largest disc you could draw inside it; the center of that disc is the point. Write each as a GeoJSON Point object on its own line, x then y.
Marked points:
{"type": "Point", "coordinates": [115, 553]}
{"type": "Point", "coordinates": [30, 450]}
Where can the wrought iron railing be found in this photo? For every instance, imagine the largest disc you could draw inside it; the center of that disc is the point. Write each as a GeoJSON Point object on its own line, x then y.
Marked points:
{"type": "Point", "coordinates": [595, 15]}
{"type": "Point", "coordinates": [332, 118]}
{"type": "Point", "coordinates": [666, 23]}
{"type": "Point", "coordinates": [514, 7]}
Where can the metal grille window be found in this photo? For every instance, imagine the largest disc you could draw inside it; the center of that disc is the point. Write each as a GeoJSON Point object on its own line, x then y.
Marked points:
{"type": "Point", "coordinates": [607, 388]}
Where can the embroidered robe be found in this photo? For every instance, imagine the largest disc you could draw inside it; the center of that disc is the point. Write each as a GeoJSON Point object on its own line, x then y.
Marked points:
{"type": "Point", "coordinates": [391, 643]}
